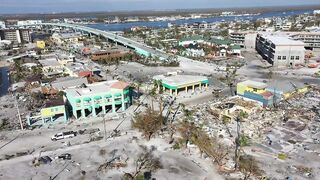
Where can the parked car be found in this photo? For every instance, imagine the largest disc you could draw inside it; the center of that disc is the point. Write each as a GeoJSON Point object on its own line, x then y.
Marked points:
{"type": "Point", "coordinates": [65, 156]}
{"type": "Point", "coordinates": [63, 135]}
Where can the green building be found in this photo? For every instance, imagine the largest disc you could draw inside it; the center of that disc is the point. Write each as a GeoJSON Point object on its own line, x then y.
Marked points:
{"type": "Point", "coordinates": [185, 83]}
{"type": "Point", "coordinates": [102, 97]}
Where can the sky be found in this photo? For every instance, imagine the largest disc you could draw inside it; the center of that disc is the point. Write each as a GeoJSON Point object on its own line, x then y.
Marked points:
{"type": "Point", "coordinates": [55, 6]}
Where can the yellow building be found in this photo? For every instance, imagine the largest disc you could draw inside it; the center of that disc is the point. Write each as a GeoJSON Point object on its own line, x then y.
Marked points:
{"type": "Point", "coordinates": [251, 86]}
{"type": "Point", "coordinates": [41, 44]}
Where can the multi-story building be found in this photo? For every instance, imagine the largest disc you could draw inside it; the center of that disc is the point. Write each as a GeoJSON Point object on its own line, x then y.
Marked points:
{"type": "Point", "coordinates": [16, 35]}
{"type": "Point", "coordinates": [246, 39]}
{"type": "Point", "coordinates": [109, 55]}
{"type": "Point", "coordinates": [311, 39]}
{"type": "Point", "coordinates": [280, 50]}
{"type": "Point", "coordinates": [28, 22]}
{"type": "Point", "coordinates": [102, 97]}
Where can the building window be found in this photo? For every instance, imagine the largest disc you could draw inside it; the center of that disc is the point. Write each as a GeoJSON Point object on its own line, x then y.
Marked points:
{"type": "Point", "coordinates": [297, 57]}
{"type": "Point", "coordinates": [292, 58]}
{"type": "Point", "coordinates": [284, 57]}
{"type": "Point", "coordinates": [279, 57]}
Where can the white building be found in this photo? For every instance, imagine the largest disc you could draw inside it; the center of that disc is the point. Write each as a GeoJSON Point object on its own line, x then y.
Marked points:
{"type": "Point", "coordinates": [280, 50]}
{"type": "Point", "coordinates": [316, 12]}
{"type": "Point", "coordinates": [28, 22]}
{"type": "Point", "coordinates": [2, 25]}
{"type": "Point", "coordinates": [246, 39]}
{"type": "Point", "coordinates": [15, 35]}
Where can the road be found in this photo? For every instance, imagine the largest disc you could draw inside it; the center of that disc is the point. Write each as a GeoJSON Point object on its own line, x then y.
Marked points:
{"type": "Point", "coordinates": [40, 139]}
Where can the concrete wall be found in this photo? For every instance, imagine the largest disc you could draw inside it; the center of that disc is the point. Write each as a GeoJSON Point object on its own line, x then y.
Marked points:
{"type": "Point", "coordinates": [289, 52]}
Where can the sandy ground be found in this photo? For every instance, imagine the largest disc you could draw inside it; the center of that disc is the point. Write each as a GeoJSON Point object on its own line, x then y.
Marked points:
{"type": "Point", "coordinates": [87, 157]}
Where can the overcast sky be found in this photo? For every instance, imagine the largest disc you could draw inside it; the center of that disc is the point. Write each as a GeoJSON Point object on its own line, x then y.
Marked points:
{"type": "Point", "coordinates": [48, 6]}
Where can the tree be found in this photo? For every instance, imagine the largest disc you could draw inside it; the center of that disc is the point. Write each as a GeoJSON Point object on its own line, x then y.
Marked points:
{"type": "Point", "coordinates": [249, 166]}
{"type": "Point", "coordinates": [186, 129]}
{"type": "Point", "coordinates": [209, 145]}
{"type": "Point", "coordinates": [146, 161]}
{"type": "Point", "coordinates": [231, 76]}
{"type": "Point", "coordinates": [149, 122]}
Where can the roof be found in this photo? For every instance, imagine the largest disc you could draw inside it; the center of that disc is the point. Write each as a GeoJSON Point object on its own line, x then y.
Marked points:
{"type": "Point", "coordinates": [49, 62]}
{"type": "Point", "coordinates": [254, 84]}
{"type": "Point", "coordinates": [219, 41]}
{"type": "Point", "coordinates": [235, 46]}
{"type": "Point", "coordinates": [119, 85]}
{"type": "Point", "coordinates": [54, 102]}
{"type": "Point", "coordinates": [267, 94]}
{"type": "Point", "coordinates": [95, 88]}
{"type": "Point", "coordinates": [180, 80]}
{"type": "Point", "coordinates": [192, 38]}
{"type": "Point", "coordinates": [67, 82]}
{"type": "Point", "coordinates": [284, 86]}
{"type": "Point", "coordinates": [283, 41]}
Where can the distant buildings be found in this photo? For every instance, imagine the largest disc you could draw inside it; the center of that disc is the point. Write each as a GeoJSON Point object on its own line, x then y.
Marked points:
{"type": "Point", "coordinates": [246, 39]}
{"type": "Point", "coordinates": [191, 40]}
{"type": "Point", "coordinates": [40, 44]}
{"type": "Point", "coordinates": [283, 25]}
{"type": "Point", "coordinates": [2, 25]}
{"type": "Point", "coordinates": [16, 35]}
{"type": "Point", "coordinates": [61, 38]}
{"type": "Point", "coordinates": [280, 50]}
{"type": "Point", "coordinates": [28, 22]}
{"type": "Point", "coordinates": [109, 55]}
{"type": "Point", "coordinates": [316, 12]}
{"type": "Point", "coordinates": [310, 39]}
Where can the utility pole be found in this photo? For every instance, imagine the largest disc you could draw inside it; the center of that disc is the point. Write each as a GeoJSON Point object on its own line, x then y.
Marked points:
{"type": "Point", "coordinates": [19, 115]}
{"type": "Point", "coordinates": [237, 141]}
{"type": "Point", "coordinates": [104, 126]}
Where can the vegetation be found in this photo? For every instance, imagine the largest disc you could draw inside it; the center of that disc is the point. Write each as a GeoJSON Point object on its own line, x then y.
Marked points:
{"type": "Point", "coordinates": [282, 156]}
{"type": "Point", "coordinates": [149, 122]}
{"type": "Point", "coordinates": [146, 162]}
{"type": "Point", "coordinates": [249, 166]}
{"type": "Point", "coordinates": [208, 145]}
{"type": "Point", "coordinates": [244, 140]}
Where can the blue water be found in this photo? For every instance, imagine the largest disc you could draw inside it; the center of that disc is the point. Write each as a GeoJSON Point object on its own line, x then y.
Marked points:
{"type": "Point", "coordinates": [164, 24]}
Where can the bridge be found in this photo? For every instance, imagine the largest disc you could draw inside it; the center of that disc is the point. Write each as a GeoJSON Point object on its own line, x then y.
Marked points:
{"type": "Point", "coordinates": [139, 48]}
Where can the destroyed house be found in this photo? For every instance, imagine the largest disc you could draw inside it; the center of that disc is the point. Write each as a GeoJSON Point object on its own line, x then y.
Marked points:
{"type": "Point", "coordinates": [53, 110]}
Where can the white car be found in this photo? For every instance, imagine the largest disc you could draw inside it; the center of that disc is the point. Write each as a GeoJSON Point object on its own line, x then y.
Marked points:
{"type": "Point", "coordinates": [63, 135]}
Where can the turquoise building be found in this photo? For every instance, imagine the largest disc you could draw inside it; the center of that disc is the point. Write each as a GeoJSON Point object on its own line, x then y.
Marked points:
{"type": "Point", "coordinates": [102, 97]}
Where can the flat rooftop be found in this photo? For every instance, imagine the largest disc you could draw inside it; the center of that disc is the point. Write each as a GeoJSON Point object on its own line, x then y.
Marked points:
{"type": "Point", "coordinates": [49, 62]}
{"type": "Point", "coordinates": [283, 40]}
{"type": "Point", "coordinates": [96, 88]}
{"type": "Point", "coordinates": [180, 80]}
{"type": "Point", "coordinates": [254, 84]}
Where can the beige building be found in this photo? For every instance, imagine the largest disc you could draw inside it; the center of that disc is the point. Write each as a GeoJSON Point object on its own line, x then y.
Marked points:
{"type": "Point", "coordinates": [280, 50]}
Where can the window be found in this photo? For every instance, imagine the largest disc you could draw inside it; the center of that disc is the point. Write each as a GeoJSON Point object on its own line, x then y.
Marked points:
{"type": "Point", "coordinates": [292, 58]}
{"type": "Point", "coordinates": [279, 57]}
{"type": "Point", "coordinates": [284, 57]}
{"type": "Point", "coordinates": [255, 89]}
{"type": "Point", "coordinates": [297, 57]}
